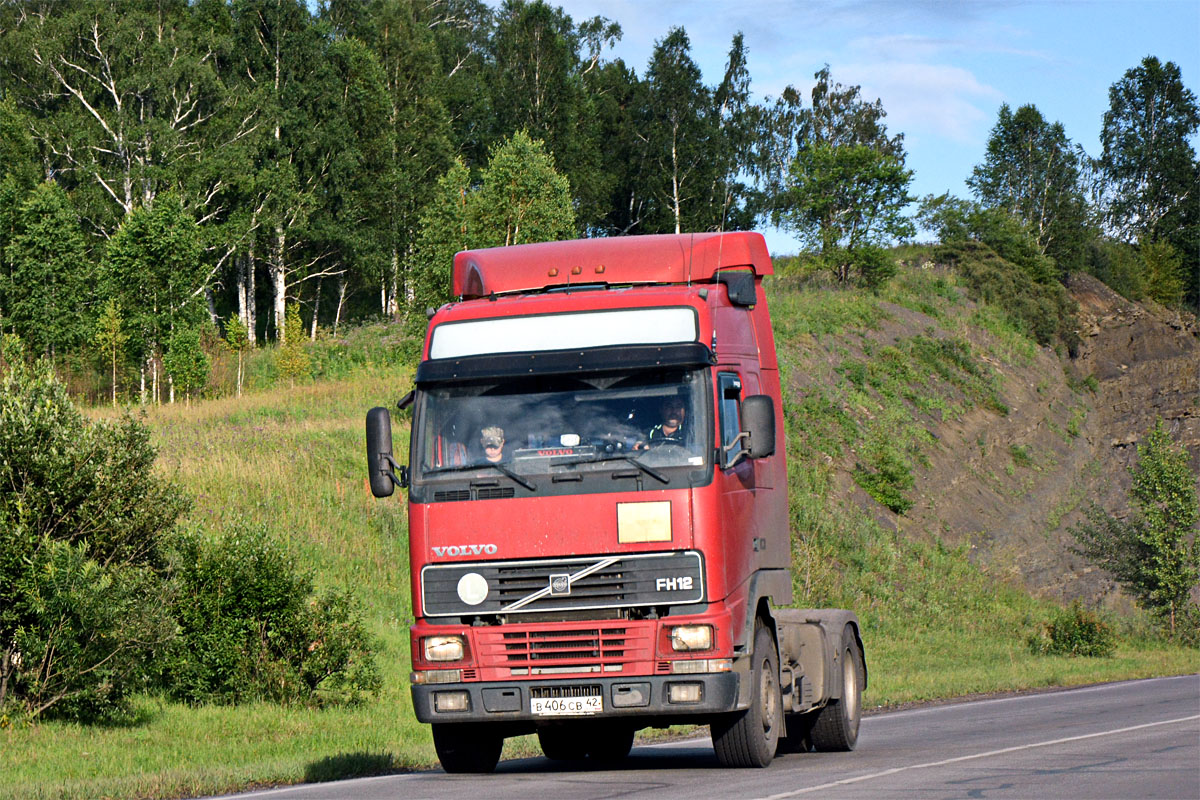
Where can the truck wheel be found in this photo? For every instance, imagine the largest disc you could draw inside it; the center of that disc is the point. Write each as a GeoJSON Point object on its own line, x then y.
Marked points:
{"type": "Point", "coordinates": [749, 738]}
{"type": "Point", "coordinates": [610, 744]}
{"type": "Point", "coordinates": [562, 743]}
{"type": "Point", "coordinates": [466, 747]}
{"type": "Point", "coordinates": [836, 726]}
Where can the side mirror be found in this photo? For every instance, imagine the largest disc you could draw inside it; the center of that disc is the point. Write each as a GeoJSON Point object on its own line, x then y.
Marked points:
{"type": "Point", "coordinates": [381, 466]}
{"type": "Point", "coordinates": [758, 422]}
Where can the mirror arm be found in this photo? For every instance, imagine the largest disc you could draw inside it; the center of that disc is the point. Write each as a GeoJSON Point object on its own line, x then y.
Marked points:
{"type": "Point", "coordinates": [741, 454]}
{"type": "Point", "coordinates": [395, 467]}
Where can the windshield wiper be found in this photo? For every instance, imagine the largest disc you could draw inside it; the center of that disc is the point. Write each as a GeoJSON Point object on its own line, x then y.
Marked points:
{"type": "Point", "coordinates": [653, 473]}
{"type": "Point", "coordinates": [528, 484]}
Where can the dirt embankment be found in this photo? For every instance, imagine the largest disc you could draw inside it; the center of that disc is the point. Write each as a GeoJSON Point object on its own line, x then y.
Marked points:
{"type": "Point", "coordinates": [1011, 486]}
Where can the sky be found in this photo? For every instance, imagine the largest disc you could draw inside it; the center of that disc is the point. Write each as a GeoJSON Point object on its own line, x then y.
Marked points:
{"type": "Point", "coordinates": [941, 68]}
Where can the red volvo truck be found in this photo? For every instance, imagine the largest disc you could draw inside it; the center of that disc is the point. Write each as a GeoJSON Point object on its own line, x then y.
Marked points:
{"type": "Point", "coordinates": [598, 514]}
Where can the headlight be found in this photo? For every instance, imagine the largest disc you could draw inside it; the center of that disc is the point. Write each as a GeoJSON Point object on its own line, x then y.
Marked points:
{"type": "Point", "coordinates": [444, 648]}
{"type": "Point", "coordinates": [692, 637]}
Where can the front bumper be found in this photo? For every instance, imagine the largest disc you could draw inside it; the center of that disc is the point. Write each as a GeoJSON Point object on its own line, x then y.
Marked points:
{"type": "Point", "coordinates": [625, 697]}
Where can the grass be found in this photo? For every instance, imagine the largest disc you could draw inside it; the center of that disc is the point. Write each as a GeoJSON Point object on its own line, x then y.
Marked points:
{"type": "Point", "coordinates": [935, 625]}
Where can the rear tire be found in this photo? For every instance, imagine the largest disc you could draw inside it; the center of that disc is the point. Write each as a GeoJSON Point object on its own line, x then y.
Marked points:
{"type": "Point", "coordinates": [836, 726]}
{"type": "Point", "coordinates": [467, 748]}
{"type": "Point", "coordinates": [749, 738]}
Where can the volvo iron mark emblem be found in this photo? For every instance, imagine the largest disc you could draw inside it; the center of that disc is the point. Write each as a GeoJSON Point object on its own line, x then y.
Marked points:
{"type": "Point", "coordinates": [560, 584]}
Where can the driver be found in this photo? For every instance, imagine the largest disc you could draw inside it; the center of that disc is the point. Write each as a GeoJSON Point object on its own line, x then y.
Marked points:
{"type": "Point", "coordinates": [671, 429]}
{"type": "Point", "coordinates": [491, 439]}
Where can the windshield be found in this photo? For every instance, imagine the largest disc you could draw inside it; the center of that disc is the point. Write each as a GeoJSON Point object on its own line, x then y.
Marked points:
{"type": "Point", "coordinates": [542, 432]}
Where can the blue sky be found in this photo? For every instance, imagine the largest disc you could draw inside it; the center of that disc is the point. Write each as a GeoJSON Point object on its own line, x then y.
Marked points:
{"type": "Point", "coordinates": [941, 68]}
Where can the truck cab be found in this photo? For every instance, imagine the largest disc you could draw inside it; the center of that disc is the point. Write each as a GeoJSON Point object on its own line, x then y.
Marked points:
{"type": "Point", "coordinates": [598, 524]}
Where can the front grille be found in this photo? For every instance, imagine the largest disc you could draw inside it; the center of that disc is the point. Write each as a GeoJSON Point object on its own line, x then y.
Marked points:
{"type": "Point", "coordinates": [649, 579]}
{"type": "Point", "coordinates": [589, 644]}
{"type": "Point", "coordinates": [543, 649]}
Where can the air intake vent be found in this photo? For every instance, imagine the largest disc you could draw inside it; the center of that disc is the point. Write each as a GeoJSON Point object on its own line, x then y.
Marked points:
{"type": "Point", "coordinates": [488, 493]}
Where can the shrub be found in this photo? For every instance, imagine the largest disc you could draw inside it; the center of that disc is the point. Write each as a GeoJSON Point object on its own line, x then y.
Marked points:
{"type": "Point", "coordinates": [1043, 311]}
{"type": "Point", "coordinates": [886, 477]}
{"type": "Point", "coordinates": [252, 628]}
{"type": "Point", "coordinates": [1154, 555]}
{"type": "Point", "coordinates": [1075, 631]}
{"type": "Point", "coordinates": [83, 516]}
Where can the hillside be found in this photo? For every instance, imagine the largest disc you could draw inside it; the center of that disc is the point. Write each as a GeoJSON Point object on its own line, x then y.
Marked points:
{"type": "Point", "coordinates": [1007, 448]}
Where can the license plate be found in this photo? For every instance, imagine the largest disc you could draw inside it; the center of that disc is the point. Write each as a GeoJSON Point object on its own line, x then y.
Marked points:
{"type": "Point", "coordinates": [566, 706]}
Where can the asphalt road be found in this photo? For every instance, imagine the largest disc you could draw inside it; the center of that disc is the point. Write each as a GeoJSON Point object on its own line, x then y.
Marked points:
{"type": "Point", "coordinates": [1136, 739]}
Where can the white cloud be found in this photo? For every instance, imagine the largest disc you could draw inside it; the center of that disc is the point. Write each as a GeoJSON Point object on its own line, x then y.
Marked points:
{"type": "Point", "coordinates": [926, 100]}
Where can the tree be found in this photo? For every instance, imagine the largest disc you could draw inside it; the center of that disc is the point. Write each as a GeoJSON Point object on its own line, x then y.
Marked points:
{"type": "Point", "coordinates": [292, 359]}
{"type": "Point", "coordinates": [1146, 156]}
{"type": "Point", "coordinates": [237, 340]}
{"type": "Point", "coordinates": [85, 516]}
{"type": "Point", "coordinates": [111, 338]}
{"type": "Point", "coordinates": [846, 197]}
{"type": "Point", "coordinates": [186, 362]}
{"type": "Point", "coordinates": [52, 283]}
{"type": "Point", "coordinates": [522, 198]}
{"type": "Point", "coordinates": [1032, 170]}
{"type": "Point", "coordinates": [443, 232]}
{"type": "Point", "coordinates": [1154, 554]}
{"type": "Point", "coordinates": [154, 268]}
{"type": "Point", "coordinates": [679, 135]}
{"type": "Point", "coordinates": [953, 220]}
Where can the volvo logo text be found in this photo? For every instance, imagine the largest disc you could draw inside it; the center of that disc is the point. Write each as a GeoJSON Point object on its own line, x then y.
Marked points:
{"type": "Point", "coordinates": [464, 550]}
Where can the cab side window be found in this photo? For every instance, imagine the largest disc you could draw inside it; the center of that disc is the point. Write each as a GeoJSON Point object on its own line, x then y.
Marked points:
{"type": "Point", "coordinates": [729, 387]}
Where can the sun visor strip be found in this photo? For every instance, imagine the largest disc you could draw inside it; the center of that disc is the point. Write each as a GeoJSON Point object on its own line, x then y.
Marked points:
{"type": "Point", "coordinates": [564, 362]}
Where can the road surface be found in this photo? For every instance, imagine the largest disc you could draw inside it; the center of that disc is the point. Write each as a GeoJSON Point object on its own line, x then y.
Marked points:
{"type": "Point", "coordinates": [1136, 739]}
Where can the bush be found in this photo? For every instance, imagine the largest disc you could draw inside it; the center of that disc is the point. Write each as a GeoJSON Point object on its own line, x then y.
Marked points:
{"type": "Point", "coordinates": [251, 628]}
{"type": "Point", "coordinates": [83, 516]}
{"type": "Point", "coordinates": [1043, 311]}
{"type": "Point", "coordinates": [1074, 632]}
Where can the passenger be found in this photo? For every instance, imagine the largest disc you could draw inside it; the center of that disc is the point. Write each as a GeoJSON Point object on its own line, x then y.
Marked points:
{"type": "Point", "coordinates": [492, 440]}
{"type": "Point", "coordinates": [671, 429]}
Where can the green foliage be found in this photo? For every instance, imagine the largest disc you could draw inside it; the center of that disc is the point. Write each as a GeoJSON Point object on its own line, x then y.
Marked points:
{"type": "Point", "coordinates": [521, 198]}
{"type": "Point", "coordinates": [251, 627]}
{"type": "Point", "coordinates": [83, 515]}
{"type": "Point", "coordinates": [886, 477]}
{"type": "Point", "coordinates": [111, 338]}
{"type": "Point", "coordinates": [237, 340]}
{"type": "Point", "coordinates": [1119, 266]}
{"type": "Point", "coordinates": [1154, 554]}
{"type": "Point", "coordinates": [154, 269]}
{"type": "Point", "coordinates": [1074, 632]}
{"type": "Point", "coordinates": [955, 221]}
{"type": "Point", "coordinates": [51, 284]}
{"type": "Point", "coordinates": [1033, 171]}
{"type": "Point", "coordinates": [186, 362]}
{"type": "Point", "coordinates": [846, 198]}
{"type": "Point", "coordinates": [1147, 156]}
{"type": "Point", "coordinates": [1164, 276]}
{"type": "Point", "coordinates": [1045, 312]}
{"type": "Point", "coordinates": [291, 359]}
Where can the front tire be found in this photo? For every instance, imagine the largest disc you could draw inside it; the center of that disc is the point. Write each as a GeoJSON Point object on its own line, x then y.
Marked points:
{"type": "Point", "coordinates": [749, 738]}
{"type": "Point", "coordinates": [467, 748]}
{"type": "Point", "coordinates": [836, 726]}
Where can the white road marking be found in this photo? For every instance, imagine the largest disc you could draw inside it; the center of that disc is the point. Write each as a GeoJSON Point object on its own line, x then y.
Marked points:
{"type": "Point", "coordinates": [893, 771]}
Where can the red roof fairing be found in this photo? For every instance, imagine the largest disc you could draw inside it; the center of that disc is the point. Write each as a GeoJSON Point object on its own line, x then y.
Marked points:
{"type": "Point", "coordinates": [666, 258]}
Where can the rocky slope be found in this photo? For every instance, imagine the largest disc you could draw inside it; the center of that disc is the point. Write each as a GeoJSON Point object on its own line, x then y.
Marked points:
{"type": "Point", "coordinates": [1011, 485]}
